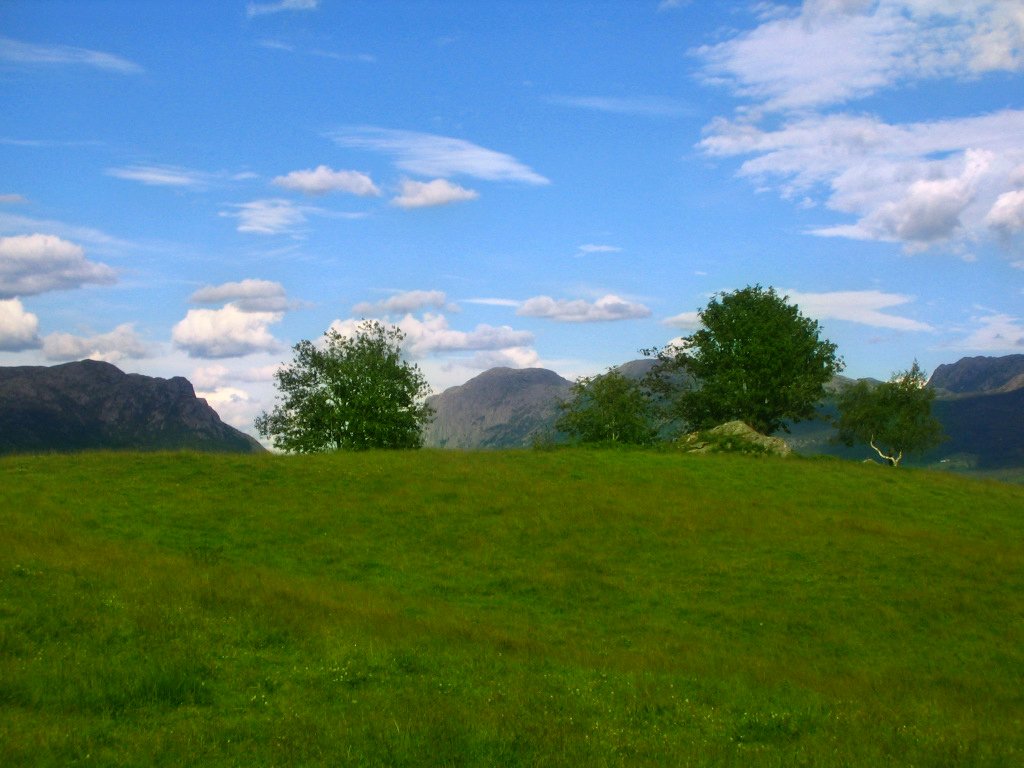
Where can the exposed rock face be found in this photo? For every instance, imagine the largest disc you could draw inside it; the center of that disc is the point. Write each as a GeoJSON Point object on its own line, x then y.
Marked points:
{"type": "Point", "coordinates": [733, 437]}
{"type": "Point", "coordinates": [502, 407]}
{"type": "Point", "coordinates": [980, 375]}
{"type": "Point", "coordinates": [94, 405]}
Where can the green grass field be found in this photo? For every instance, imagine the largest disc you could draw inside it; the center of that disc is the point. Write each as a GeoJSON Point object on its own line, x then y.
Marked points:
{"type": "Point", "coordinates": [544, 608]}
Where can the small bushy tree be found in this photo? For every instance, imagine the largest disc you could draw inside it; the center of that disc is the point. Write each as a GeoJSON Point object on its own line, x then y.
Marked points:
{"type": "Point", "coordinates": [348, 393]}
{"type": "Point", "coordinates": [894, 418]}
{"type": "Point", "coordinates": [755, 359]}
{"type": "Point", "coordinates": [608, 409]}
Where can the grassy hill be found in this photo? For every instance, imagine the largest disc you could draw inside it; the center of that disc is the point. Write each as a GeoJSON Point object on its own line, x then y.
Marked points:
{"type": "Point", "coordinates": [569, 607]}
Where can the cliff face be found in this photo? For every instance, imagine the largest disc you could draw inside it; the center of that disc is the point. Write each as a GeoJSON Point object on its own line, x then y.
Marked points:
{"type": "Point", "coordinates": [980, 375]}
{"type": "Point", "coordinates": [94, 405]}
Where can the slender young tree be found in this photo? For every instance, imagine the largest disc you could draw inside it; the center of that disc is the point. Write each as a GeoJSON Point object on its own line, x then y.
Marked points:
{"type": "Point", "coordinates": [348, 393]}
{"type": "Point", "coordinates": [608, 409]}
{"type": "Point", "coordinates": [894, 418]}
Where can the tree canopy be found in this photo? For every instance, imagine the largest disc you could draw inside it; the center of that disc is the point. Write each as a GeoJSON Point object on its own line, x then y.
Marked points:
{"type": "Point", "coordinates": [755, 359]}
{"type": "Point", "coordinates": [608, 409]}
{"type": "Point", "coordinates": [894, 418]}
{"type": "Point", "coordinates": [350, 392]}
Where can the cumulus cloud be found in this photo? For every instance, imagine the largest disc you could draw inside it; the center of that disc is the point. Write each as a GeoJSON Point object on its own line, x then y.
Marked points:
{"type": "Point", "coordinates": [30, 53]}
{"type": "Point", "coordinates": [322, 179]}
{"type": "Point", "coordinates": [425, 194]}
{"type": "Point", "coordinates": [267, 217]}
{"type": "Point", "coordinates": [18, 329]}
{"type": "Point", "coordinates": [248, 295]}
{"type": "Point", "coordinates": [920, 184]}
{"type": "Point", "coordinates": [262, 9]}
{"type": "Point", "coordinates": [1007, 213]}
{"type": "Point", "coordinates": [432, 334]}
{"type": "Point", "coordinates": [429, 155]}
{"type": "Point", "coordinates": [608, 307]}
{"type": "Point", "coordinates": [864, 307]}
{"type": "Point", "coordinates": [160, 175]}
{"type": "Point", "coordinates": [689, 320]}
{"type": "Point", "coordinates": [225, 332]}
{"type": "Point", "coordinates": [403, 303]}
{"type": "Point", "coordinates": [33, 264]}
{"type": "Point", "coordinates": [122, 342]}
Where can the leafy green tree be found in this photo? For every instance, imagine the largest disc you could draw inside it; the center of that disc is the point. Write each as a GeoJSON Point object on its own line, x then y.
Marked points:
{"type": "Point", "coordinates": [894, 418]}
{"type": "Point", "coordinates": [348, 393]}
{"type": "Point", "coordinates": [755, 359]}
{"type": "Point", "coordinates": [608, 409]}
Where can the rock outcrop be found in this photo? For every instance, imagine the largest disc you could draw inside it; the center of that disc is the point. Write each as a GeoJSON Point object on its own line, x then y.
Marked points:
{"type": "Point", "coordinates": [90, 405]}
{"type": "Point", "coordinates": [733, 437]}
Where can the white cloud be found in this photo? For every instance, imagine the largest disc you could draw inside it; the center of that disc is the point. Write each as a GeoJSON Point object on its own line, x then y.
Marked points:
{"type": "Point", "coordinates": [921, 184]}
{"type": "Point", "coordinates": [646, 106]}
{"type": "Point", "coordinates": [859, 47]}
{"type": "Point", "coordinates": [690, 320]}
{"type": "Point", "coordinates": [225, 332]}
{"type": "Point", "coordinates": [430, 155]}
{"type": "Point", "coordinates": [234, 405]}
{"type": "Point", "coordinates": [29, 53]}
{"type": "Point", "coordinates": [608, 307]}
{"type": "Point", "coordinates": [864, 307]}
{"type": "Point", "coordinates": [322, 179]}
{"type": "Point", "coordinates": [12, 199]}
{"type": "Point", "coordinates": [488, 302]}
{"type": "Point", "coordinates": [122, 342]}
{"type": "Point", "coordinates": [160, 175]}
{"type": "Point", "coordinates": [32, 264]}
{"type": "Point", "coordinates": [248, 295]}
{"type": "Point", "coordinates": [433, 334]}
{"type": "Point", "coordinates": [403, 303]}
{"type": "Point", "coordinates": [268, 217]}
{"type": "Point", "coordinates": [18, 329]}
{"type": "Point", "coordinates": [419, 194]}
{"type": "Point", "coordinates": [996, 333]}
{"type": "Point", "coordinates": [592, 248]}
{"type": "Point", "coordinates": [1007, 213]}
{"type": "Point", "coordinates": [262, 9]}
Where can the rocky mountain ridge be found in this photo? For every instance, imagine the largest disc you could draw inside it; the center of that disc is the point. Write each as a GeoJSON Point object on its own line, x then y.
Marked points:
{"type": "Point", "coordinates": [92, 405]}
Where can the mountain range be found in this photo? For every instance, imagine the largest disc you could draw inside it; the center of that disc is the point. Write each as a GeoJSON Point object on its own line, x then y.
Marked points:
{"type": "Point", "coordinates": [979, 401]}
{"type": "Point", "coordinates": [90, 405]}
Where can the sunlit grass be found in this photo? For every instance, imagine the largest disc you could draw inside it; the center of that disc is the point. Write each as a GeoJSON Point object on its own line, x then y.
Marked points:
{"type": "Point", "coordinates": [567, 607]}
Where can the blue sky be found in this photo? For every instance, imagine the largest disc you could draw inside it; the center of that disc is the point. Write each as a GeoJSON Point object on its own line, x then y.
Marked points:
{"type": "Point", "coordinates": [190, 188]}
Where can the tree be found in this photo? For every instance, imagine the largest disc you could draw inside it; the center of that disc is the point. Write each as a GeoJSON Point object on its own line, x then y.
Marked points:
{"type": "Point", "coordinates": [348, 393]}
{"type": "Point", "coordinates": [607, 409]}
{"type": "Point", "coordinates": [894, 418]}
{"type": "Point", "coordinates": [755, 359]}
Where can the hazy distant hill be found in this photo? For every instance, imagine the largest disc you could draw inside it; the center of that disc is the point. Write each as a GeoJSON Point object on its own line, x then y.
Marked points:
{"type": "Point", "coordinates": [980, 375]}
{"type": "Point", "coordinates": [94, 405]}
{"type": "Point", "coordinates": [502, 407]}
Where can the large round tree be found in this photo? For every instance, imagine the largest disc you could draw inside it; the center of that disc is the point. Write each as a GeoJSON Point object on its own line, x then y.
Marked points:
{"type": "Point", "coordinates": [755, 359]}
{"type": "Point", "coordinates": [350, 392]}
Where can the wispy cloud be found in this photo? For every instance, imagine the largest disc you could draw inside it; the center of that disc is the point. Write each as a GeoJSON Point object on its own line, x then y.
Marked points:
{"type": "Point", "coordinates": [322, 179]}
{"type": "Point", "coordinates": [431, 155]}
{"type": "Point", "coordinates": [644, 106]}
{"type": "Point", "coordinates": [12, 199]}
{"type": "Point", "coordinates": [996, 332]}
{"type": "Point", "coordinates": [609, 307]}
{"type": "Point", "coordinates": [30, 53]}
{"type": "Point", "coordinates": [595, 248]}
{"type": "Point", "coordinates": [420, 194]}
{"type": "Point", "coordinates": [863, 307]}
{"type": "Point", "coordinates": [160, 175]}
{"type": "Point", "coordinates": [263, 9]}
{"type": "Point", "coordinates": [268, 217]}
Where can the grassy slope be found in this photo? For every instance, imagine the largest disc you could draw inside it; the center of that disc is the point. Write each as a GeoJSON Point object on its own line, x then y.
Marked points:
{"type": "Point", "coordinates": [507, 608]}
